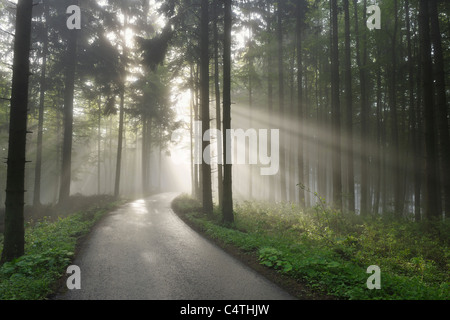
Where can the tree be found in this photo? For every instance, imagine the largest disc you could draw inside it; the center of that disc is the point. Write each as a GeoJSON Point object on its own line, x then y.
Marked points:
{"type": "Point", "coordinates": [398, 203]}
{"type": "Point", "coordinates": [14, 236]}
{"type": "Point", "coordinates": [69, 92]}
{"type": "Point", "coordinates": [349, 103]}
{"type": "Point", "coordinates": [227, 207]}
{"type": "Point", "coordinates": [43, 84]}
{"type": "Point", "coordinates": [218, 98]}
{"type": "Point", "coordinates": [204, 91]}
{"type": "Point", "coordinates": [432, 194]}
{"type": "Point", "coordinates": [301, 113]}
{"type": "Point", "coordinates": [336, 112]}
{"type": "Point", "coordinates": [281, 99]}
{"type": "Point", "coordinates": [441, 100]}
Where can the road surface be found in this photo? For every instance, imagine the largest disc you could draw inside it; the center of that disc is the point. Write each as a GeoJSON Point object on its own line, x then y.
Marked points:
{"type": "Point", "coordinates": [143, 251]}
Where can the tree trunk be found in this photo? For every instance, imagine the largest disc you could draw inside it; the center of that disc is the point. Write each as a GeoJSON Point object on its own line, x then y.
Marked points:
{"type": "Point", "coordinates": [361, 61]}
{"type": "Point", "coordinates": [121, 108]}
{"type": "Point", "coordinates": [301, 114]}
{"type": "Point", "coordinates": [414, 133]}
{"type": "Point", "coordinates": [204, 88]}
{"type": "Point", "coordinates": [442, 106]}
{"type": "Point", "coordinates": [336, 109]}
{"type": "Point", "coordinates": [66, 174]}
{"type": "Point", "coordinates": [14, 235]}
{"type": "Point", "coordinates": [99, 144]}
{"type": "Point", "coordinates": [218, 102]}
{"type": "Point", "coordinates": [271, 184]}
{"type": "Point", "coordinates": [396, 170]}
{"type": "Point", "coordinates": [120, 142]}
{"type": "Point", "coordinates": [349, 102]}
{"type": "Point", "coordinates": [432, 196]}
{"type": "Point", "coordinates": [281, 102]}
{"type": "Point", "coordinates": [227, 208]}
{"type": "Point", "coordinates": [43, 88]}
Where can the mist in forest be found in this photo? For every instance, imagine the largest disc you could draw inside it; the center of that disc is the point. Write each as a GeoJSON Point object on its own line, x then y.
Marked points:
{"type": "Point", "coordinates": [349, 99]}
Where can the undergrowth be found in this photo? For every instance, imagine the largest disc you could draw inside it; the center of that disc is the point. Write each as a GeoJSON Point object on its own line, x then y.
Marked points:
{"type": "Point", "coordinates": [50, 248]}
{"type": "Point", "coordinates": [331, 251]}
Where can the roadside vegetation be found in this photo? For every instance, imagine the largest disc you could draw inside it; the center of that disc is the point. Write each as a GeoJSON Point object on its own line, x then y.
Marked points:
{"type": "Point", "coordinates": [331, 251]}
{"type": "Point", "coordinates": [51, 244]}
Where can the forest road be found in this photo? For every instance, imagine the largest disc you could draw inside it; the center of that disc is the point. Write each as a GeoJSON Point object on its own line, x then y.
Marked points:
{"type": "Point", "coordinates": [144, 251]}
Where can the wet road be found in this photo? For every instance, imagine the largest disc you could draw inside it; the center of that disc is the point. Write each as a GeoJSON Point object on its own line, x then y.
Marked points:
{"type": "Point", "coordinates": [143, 251]}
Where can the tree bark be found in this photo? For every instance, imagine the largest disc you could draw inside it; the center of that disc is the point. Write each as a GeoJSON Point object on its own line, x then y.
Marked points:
{"type": "Point", "coordinates": [71, 60]}
{"type": "Point", "coordinates": [336, 109]}
{"type": "Point", "coordinates": [14, 235]}
{"type": "Point", "coordinates": [43, 88]}
{"type": "Point", "coordinates": [120, 142]}
{"type": "Point", "coordinates": [349, 102]}
{"type": "Point", "coordinates": [432, 196]}
{"type": "Point", "coordinates": [414, 133]}
{"type": "Point", "coordinates": [301, 114]}
{"type": "Point", "coordinates": [218, 102]}
{"type": "Point", "coordinates": [281, 102]}
{"type": "Point", "coordinates": [396, 170]}
{"type": "Point", "coordinates": [361, 62]}
{"type": "Point", "coordinates": [442, 105]}
{"type": "Point", "coordinates": [227, 208]}
{"type": "Point", "coordinates": [271, 184]}
{"type": "Point", "coordinates": [204, 88]}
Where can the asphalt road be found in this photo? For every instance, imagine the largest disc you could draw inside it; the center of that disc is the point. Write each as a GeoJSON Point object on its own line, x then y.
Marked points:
{"type": "Point", "coordinates": [143, 251]}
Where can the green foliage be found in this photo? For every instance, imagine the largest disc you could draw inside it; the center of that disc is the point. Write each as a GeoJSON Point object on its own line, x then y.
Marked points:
{"type": "Point", "coordinates": [50, 248]}
{"type": "Point", "coordinates": [273, 258]}
{"type": "Point", "coordinates": [331, 251]}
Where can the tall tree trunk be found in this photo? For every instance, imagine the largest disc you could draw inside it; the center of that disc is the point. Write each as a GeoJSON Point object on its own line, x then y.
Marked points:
{"type": "Point", "coordinates": [250, 116]}
{"type": "Point", "coordinates": [198, 166]}
{"type": "Point", "coordinates": [204, 84]}
{"type": "Point", "coordinates": [120, 141]}
{"type": "Point", "coordinates": [191, 132]}
{"type": "Point", "coordinates": [71, 60]}
{"type": "Point", "coordinates": [349, 102]}
{"type": "Point", "coordinates": [395, 167]}
{"type": "Point", "coordinates": [419, 146]}
{"type": "Point", "coordinates": [146, 153]}
{"type": "Point", "coordinates": [14, 235]}
{"type": "Point", "coordinates": [336, 109]}
{"type": "Point", "coordinates": [414, 133]}
{"type": "Point", "coordinates": [227, 208]}
{"type": "Point", "coordinates": [378, 157]}
{"type": "Point", "coordinates": [432, 196]}
{"type": "Point", "coordinates": [43, 85]}
{"type": "Point", "coordinates": [218, 101]}
{"type": "Point", "coordinates": [271, 184]}
{"type": "Point", "coordinates": [281, 102]}
{"type": "Point", "coordinates": [300, 111]}
{"type": "Point", "coordinates": [361, 61]}
{"type": "Point", "coordinates": [442, 105]}
{"type": "Point", "coordinates": [99, 144]}
{"type": "Point", "coordinates": [122, 107]}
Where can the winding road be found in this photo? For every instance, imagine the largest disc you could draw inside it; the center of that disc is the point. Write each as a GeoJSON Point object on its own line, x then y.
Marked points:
{"type": "Point", "coordinates": [144, 251]}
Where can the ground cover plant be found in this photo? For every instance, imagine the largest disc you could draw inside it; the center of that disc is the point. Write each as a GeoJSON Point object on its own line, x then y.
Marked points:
{"type": "Point", "coordinates": [331, 251]}
{"type": "Point", "coordinates": [51, 244]}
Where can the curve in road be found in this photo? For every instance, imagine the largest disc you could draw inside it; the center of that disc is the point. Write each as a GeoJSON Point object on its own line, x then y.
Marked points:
{"type": "Point", "coordinates": [143, 251]}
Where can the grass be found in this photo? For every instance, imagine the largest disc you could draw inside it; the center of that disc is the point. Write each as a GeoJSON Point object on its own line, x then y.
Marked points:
{"type": "Point", "coordinates": [50, 247]}
{"type": "Point", "coordinates": [331, 251]}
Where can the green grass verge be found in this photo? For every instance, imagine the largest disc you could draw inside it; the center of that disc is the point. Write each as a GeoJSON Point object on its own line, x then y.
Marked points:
{"type": "Point", "coordinates": [50, 248]}
{"type": "Point", "coordinates": [331, 251]}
